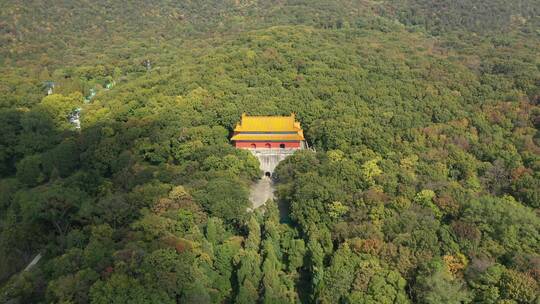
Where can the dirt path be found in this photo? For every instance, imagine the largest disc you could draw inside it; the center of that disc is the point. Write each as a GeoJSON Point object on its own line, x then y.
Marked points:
{"type": "Point", "coordinates": [261, 191]}
{"type": "Point", "coordinates": [32, 263]}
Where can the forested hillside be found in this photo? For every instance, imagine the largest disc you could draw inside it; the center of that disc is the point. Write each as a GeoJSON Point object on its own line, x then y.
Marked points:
{"type": "Point", "coordinates": [479, 16]}
{"type": "Point", "coordinates": [424, 187]}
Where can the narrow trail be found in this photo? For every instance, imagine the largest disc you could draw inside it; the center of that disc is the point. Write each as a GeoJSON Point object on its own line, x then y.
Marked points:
{"type": "Point", "coordinates": [261, 191]}
{"type": "Point", "coordinates": [32, 263]}
{"type": "Point", "coordinates": [264, 190]}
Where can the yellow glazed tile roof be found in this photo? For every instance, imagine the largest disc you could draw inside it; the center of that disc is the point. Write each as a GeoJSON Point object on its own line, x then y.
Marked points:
{"type": "Point", "coordinates": [268, 137]}
{"type": "Point", "coordinates": [268, 124]}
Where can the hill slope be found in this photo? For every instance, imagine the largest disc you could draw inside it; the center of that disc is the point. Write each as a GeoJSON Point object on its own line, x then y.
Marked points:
{"type": "Point", "coordinates": [424, 187]}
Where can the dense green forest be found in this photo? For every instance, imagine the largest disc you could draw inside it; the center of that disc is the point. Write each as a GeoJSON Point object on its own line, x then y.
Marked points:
{"type": "Point", "coordinates": [424, 187]}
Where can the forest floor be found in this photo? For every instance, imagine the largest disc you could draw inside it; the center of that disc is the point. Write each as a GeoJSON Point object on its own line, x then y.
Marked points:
{"type": "Point", "coordinates": [261, 191]}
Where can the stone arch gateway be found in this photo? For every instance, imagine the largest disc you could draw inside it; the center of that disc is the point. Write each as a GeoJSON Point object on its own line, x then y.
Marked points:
{"type": "Point", "coordinates": [270, 138]}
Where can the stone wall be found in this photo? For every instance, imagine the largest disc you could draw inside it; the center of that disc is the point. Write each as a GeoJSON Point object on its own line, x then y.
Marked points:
{"type": "Point", "coordinates": [270, 158]}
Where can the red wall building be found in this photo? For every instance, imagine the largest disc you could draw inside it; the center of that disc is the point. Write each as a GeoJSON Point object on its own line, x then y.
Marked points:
{"type": "Point", "coordinates": [267, 144]}
{"type": "Point", "coordinates": [268, 132]}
